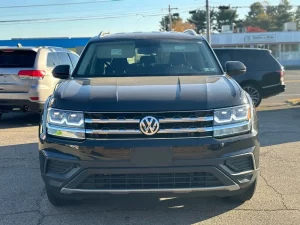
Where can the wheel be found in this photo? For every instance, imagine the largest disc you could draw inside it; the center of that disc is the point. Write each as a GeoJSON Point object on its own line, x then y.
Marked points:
{"type": "Point", "coordinates": [245, 196]}
{"type": "Point", "coordinates": [58, 200]}
{"type": "Point", "coordinates": [254, 93]}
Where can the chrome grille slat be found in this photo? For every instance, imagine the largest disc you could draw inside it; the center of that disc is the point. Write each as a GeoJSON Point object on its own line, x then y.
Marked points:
{"type": "Point", "coordinates": [186, 120]}
{"type": "Point", "coordinates": [111, 121]}
{"type": "Point", "coordinates": [162, 131]}
{"type": "Point", "coordinates": [165, 120]}
{"type": "Point", "coordinates": [124, 125]}
{"type": "Point", "coordinates": [90, 131]}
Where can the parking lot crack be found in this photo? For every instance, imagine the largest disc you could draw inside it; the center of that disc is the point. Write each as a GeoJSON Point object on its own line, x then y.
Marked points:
{"type": "Point", "coordinates": [270, 186]}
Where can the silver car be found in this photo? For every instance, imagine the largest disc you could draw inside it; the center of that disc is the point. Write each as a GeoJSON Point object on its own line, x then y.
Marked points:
{"type": "Point", "coordinates": [26, 78]}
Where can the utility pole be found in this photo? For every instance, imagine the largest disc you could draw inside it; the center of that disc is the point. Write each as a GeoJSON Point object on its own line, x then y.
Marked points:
{"type": "Point", "coordinates": [170, 17]}
{"type": "Point", "coordinates": [208, 22]}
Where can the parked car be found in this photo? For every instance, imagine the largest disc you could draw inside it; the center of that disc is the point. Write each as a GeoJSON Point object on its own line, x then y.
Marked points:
{"type": "Point", "coordinates": [170, 121]}
{"type": "Point", "coordinates": [26, 79]}
{"type": "Point", "coordinates": [264, 76]}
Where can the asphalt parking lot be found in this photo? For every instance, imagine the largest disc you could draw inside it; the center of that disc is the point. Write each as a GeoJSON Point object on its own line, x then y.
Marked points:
{"type": "Point", "coordinates": [277, 201]}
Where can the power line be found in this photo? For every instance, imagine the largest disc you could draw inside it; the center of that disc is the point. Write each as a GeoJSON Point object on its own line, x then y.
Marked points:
{"type": "Point", "coordinates": [45, 20]}
{"type": "Point", "coordinates": [190, 6]}
{"type": "Point", "coordinates": [90, 17]}
{"type": "Point", "coordinates": [68, 19]}
{"type": "Point", "coordinates": [57, 4]}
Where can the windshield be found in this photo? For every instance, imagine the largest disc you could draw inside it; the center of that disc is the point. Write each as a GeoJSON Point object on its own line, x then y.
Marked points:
{"type": "Point", "coordinates": [147, 58]}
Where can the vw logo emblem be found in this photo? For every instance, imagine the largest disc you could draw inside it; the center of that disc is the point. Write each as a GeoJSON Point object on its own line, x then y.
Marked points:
{"type": "Point", "coordinates": [149, 125]}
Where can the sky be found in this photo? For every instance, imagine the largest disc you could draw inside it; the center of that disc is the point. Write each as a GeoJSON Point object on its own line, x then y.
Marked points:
{"type": "Point", "coordinates": [133, 15]}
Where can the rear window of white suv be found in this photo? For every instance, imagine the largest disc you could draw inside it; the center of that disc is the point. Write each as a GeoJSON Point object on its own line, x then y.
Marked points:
{"type": "Point", "coordinates": [11, 58]}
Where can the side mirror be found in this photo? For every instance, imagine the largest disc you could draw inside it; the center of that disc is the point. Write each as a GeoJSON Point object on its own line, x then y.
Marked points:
{"type": "Point", "coordinates": [61, 72]}
{"type": "Point", "coordinates": [234, 68]}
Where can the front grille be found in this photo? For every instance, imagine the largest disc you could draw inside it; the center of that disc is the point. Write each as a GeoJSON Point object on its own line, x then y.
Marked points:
{"type": "Point", "coordinates": [171, 125]}
{"type": "Point", "coordinates": [59, 167]}
{"type": "Point", "coordinates": [240, 164]}
{"type": "Point", "coordinates": [150, 181]}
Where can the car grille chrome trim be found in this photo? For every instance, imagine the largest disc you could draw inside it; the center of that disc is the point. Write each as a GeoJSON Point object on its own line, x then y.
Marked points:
{"type": "Point", "coordinates": [233, 187]}
{"type": "Point", "coordinates": [111, 121]}
{"type": "Point", "coordinates": [165, 120]}
{"type": "Point", "coordinates": [172, 124]}
{"type": "Point", "coordinates": [185, 120]}
{"type": "Point", "coordinates": [161, 131]}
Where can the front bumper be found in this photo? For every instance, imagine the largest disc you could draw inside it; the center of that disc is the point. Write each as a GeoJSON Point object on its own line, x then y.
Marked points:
{"type": "Point", "coordinates": [147, 166]}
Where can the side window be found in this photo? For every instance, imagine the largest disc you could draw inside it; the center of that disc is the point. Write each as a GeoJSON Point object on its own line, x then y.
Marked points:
{"type": "Point", "coordinates": [223, 57]}
{"type": "Point", "coordinates": [74, 58]}
{"type": "Point", "coordinates": [52, 60]}
{"type": "Point", "coordinates": [248, 57]}
{"type": "Point", "coordinates": [64, 58]}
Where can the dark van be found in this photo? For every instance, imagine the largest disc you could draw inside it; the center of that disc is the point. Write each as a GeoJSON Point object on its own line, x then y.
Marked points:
{"type": "Point", "coordinates": [264, 76]}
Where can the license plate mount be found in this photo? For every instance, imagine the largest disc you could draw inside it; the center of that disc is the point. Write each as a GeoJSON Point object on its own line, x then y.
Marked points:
{"type": "Point", "coordinates": [151, 157]}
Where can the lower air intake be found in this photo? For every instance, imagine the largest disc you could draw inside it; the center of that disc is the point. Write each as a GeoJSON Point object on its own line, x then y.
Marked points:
{"type": "Point", "coordinates": [150, 181]}
{"type": "Point", "coordinates": [59, 167]}
{"type": "Point", "coordinates": [240, 164]}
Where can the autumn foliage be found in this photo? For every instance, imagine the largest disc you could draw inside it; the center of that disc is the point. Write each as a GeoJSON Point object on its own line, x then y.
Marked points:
{"type": "Point", "coordinates": [251, 29]}
{"type": "Point", "coordinates": [181, 26]}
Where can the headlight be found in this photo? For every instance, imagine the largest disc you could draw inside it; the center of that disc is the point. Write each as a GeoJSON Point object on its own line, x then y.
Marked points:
{"type": "Point", "coordinates": [232, 121]}
{"type": "Point", "coordinates": [63, 123]}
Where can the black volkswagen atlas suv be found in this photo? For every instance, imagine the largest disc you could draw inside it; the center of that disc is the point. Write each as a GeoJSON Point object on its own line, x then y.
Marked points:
{"type": "Point", "coordinates": [148, 113]}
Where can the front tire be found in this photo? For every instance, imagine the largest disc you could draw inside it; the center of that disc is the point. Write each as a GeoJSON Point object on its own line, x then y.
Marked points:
{"type": "Point", "coordinates": [254, 92]}
{"type": "Point", "coordinates": [245, 196]}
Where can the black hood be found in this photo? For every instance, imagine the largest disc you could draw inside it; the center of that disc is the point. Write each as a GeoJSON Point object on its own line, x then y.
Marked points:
{"type": "Point", "coordinates": [148, 94]}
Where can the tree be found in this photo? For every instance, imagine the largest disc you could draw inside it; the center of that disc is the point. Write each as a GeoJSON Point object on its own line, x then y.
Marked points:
{"type": "Point", "coordinates": [225, 17]}
{"type": "Point", "coordinates": [255, 9]}
{"type": "Point", "coordinates": [284, 14]}
{"type": "Point", "coordinates": [198, 18]}
{"type": "Point", "coordinates": [165, 21]}
{"type": "Point", "coordinates": [181, 26]}
{"type": "Point", "coordinates": [270, 18]}
{"type": "Point", "coordinates": [297, 17]}
{"type": "Point", "coordinates": [261, 17]}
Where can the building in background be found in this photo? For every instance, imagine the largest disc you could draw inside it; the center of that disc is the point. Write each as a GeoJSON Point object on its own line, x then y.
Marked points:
{"type": "Point", "coordinates": [285, 46]}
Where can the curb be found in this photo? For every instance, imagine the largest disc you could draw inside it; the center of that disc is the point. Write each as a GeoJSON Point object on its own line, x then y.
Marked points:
{"type": "Point", "coordinates": [294, 102]}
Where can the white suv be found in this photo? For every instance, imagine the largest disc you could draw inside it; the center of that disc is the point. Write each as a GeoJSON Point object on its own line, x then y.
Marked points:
{"type": "Point", "coordinates": [26, 79]}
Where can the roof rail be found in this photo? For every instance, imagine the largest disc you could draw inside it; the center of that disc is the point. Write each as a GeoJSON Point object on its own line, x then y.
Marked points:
{"type": "Point", "coordinates": [190, 32]}
{"type": "Point", "coordinates": [53, 47]}
{"type": "Point", "coordinates": [103, 33]}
